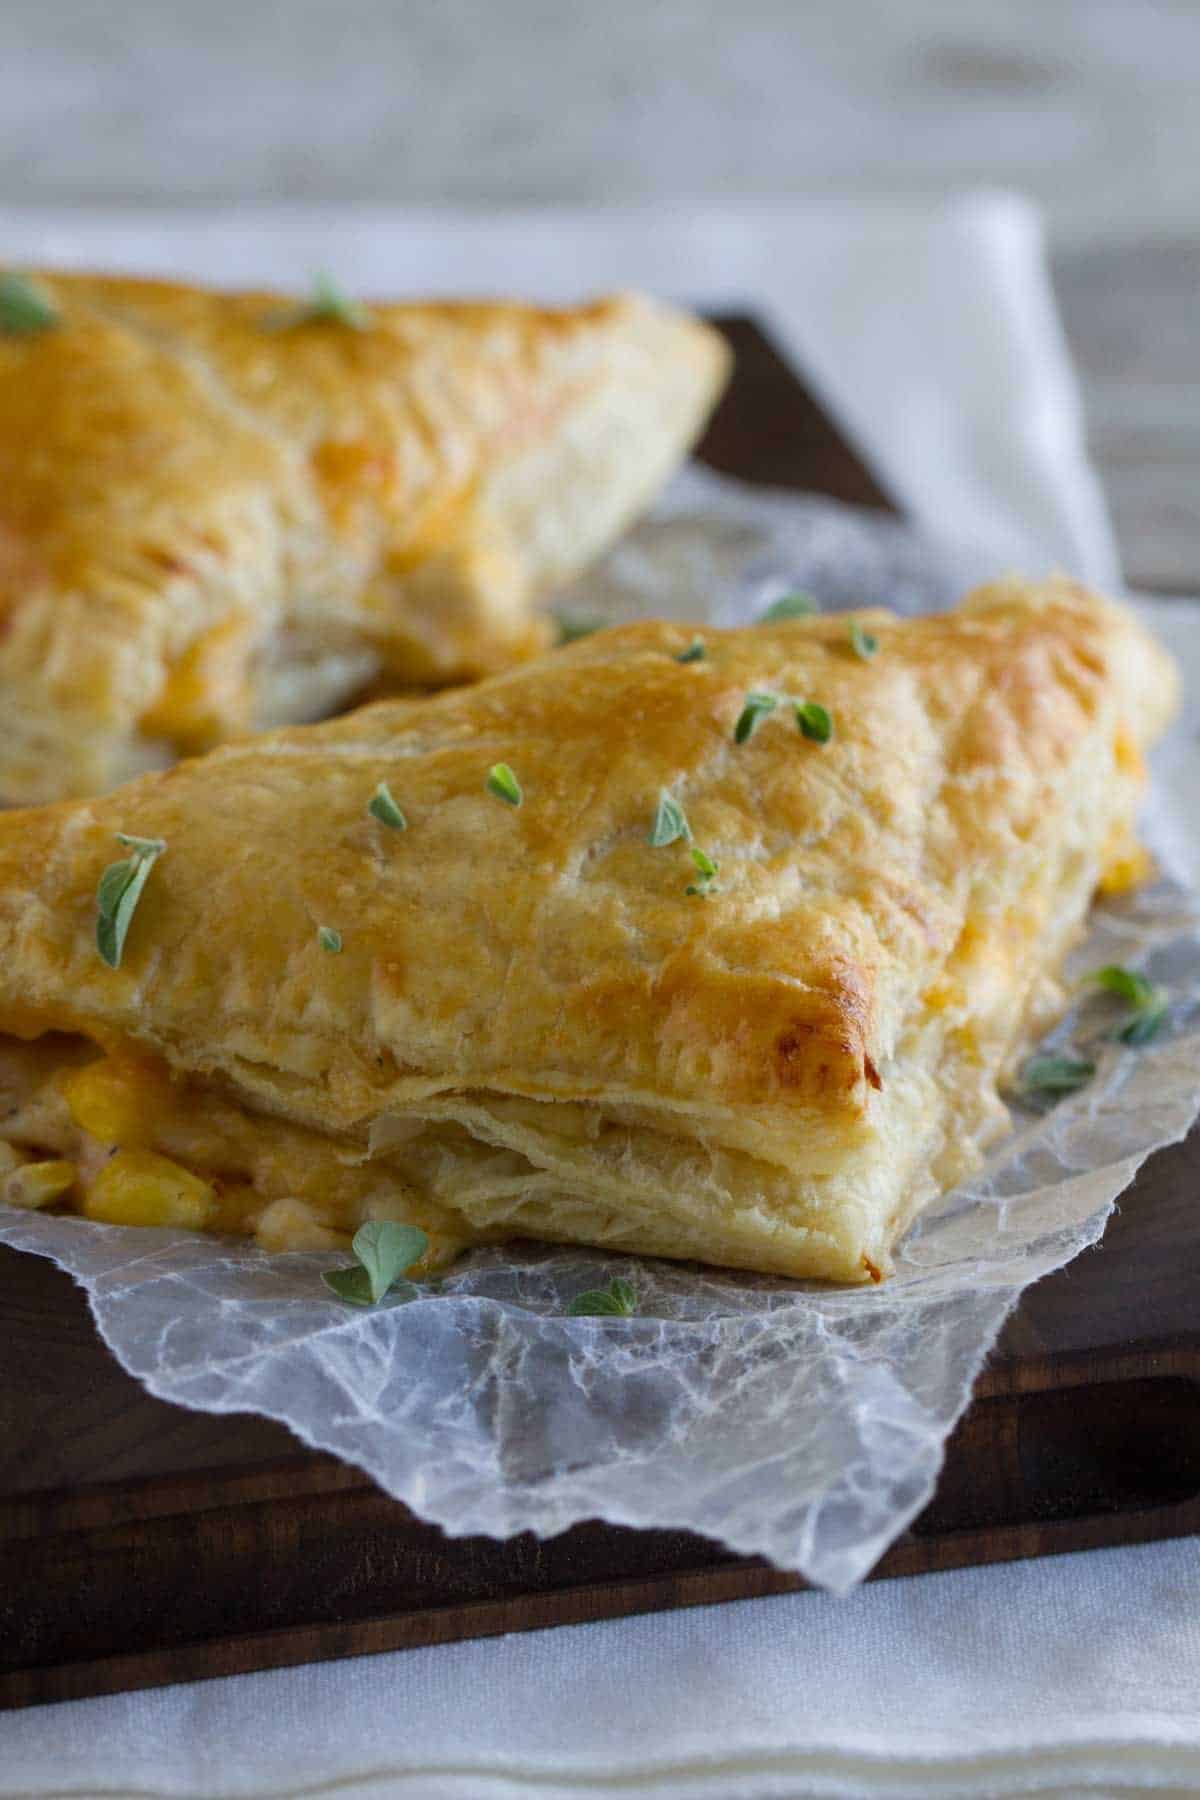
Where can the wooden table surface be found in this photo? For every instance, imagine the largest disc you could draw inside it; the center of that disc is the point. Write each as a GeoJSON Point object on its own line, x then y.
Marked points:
{"type": "Point", "coordinates": [1133, 324]}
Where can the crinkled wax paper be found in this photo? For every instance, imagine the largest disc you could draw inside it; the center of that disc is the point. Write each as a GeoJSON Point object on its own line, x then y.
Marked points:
{"type": "Point", "coordinates": [806, 1424]}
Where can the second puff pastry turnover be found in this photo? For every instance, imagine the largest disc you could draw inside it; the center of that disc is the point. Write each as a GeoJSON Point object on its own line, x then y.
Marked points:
{"type": "Point", "coordinates": [220, 512]}
{"type": "Point", "coordinates": [704, 944]}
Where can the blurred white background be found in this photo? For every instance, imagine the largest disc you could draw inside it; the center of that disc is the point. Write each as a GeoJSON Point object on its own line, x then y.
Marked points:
{"type": "Point", "coordinates": [1088, 104]}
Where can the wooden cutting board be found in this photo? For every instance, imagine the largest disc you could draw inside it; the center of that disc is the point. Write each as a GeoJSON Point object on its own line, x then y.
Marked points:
{"type": "Point", "coordinates": [142, 1544]}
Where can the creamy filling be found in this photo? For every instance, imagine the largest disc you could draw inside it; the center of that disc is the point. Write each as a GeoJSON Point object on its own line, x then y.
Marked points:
{"type": "Point", "coordinates": [142, 1147]}
{"type": "Point", "coordinates": [120, 1139]}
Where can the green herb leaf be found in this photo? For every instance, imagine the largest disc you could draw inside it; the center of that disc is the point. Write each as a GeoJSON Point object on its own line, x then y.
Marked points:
{"type": "Point", "coordinates": [381, 806]}
{"type": "Point", "coordinates": [756, 708]}
{"type": "Point", "coordinates": [792, 606]}
{"type": "Point", "coordinates": [328, 305]}
{"type": "Point", "coordinates": [695, 652]}
{"type": "Point", "coordinates": [385, 1250]}
{"type": "Point", "coordinates": [624, 1293]}
{"type": "Point", "coordinates": [1126, 984]}
{"type": "Point", "coordinates": [1055, 1074]}
{"type": "Point", "coordinates": [350, 1284]}
{"type": "Point", "coordinates": [617, 1301]}
{"type": "Point", "coordinates": [113, 883]}
{"type": "Point", "coordinates": [1149, 1003]}
{"type": "Point", "coordinates": [670, 822]}
{"type": "Point", "coordinates": [1149, 1019]}
{"type": "Point", "coordinates": [706, 867]}
{"type": "Point", "coordinates": [503, 783]}
{"type": "Point", "coordinates": [329, 939]}
{"type": "Point", "coordinates": [863, 643]}
{"type": "Point", "coordinates": [141, 846]}
{"type": "Point", "coordinates": [814, 720]}
{"type": "Point", "coordinates": [25, 308]}
{"type": "Point", "coordinates": [594, 1303]}
{"type": "Point", "coordinates": [119, 891]}
{"type": "Point", "coordinates": [572, 627]}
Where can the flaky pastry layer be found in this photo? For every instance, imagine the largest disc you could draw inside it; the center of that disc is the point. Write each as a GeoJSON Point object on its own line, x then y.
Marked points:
{"type": "Point", "coordinates": [540, 1022]}
{"type": "Point", "coordinates": [216, 515]}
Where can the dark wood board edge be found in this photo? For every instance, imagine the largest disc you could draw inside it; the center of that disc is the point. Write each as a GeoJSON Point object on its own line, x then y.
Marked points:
{"type": "Point", "coordinates": [1028, 1473]}
{"type": "Point", "coordinates": [751, 437]}
{"type": "Point", "coordinates": [745, 1579]}
{"type": "Point", "coordinates": [1151, 1358]}
{"type": "Point", "coordinates": [101, 1505]}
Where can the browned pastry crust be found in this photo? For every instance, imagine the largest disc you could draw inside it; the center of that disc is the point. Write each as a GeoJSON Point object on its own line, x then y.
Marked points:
{"type": "Point", "coordinates": [214, 517]}
{"type": "Point", "coordinates": [533, 1025]}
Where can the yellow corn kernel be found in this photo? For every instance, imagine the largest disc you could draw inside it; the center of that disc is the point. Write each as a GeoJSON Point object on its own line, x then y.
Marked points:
{"type": "Point", "coordinates": [1126, 870]}
{"type": "Point", "coordinates": [35, 1184]}
{"type": "Point", "coordinates": [139, 1187]}
{"type": "Point", "coordinates": [119, 1099]}
{"type": "Point", "coordinates": [1127, 755]}
{"type": "Point", "coordinates": [945, 996]}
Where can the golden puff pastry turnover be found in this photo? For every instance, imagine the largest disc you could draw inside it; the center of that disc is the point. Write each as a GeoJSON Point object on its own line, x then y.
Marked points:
{"type": "Point", "coordinates": [705, 944]}
{"type": "Point", "coordinates": [221, 512]}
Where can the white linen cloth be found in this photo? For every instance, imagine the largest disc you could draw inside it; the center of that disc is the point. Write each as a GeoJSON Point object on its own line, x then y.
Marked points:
{"type": "Point", "coordinates": [1077, 1675]}
{"type": "Point", "coordinates": [932, 333]}
{"type": "Point", "coordinates": [935, 338]}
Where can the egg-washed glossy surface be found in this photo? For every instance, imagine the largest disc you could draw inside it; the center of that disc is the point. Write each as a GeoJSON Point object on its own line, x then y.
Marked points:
{"type": "Point", "coordinates": [536, 1023]}
{"type": "Point", "coordinates": [217, 512]}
